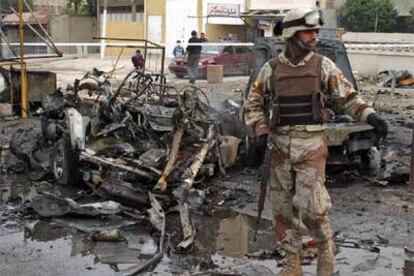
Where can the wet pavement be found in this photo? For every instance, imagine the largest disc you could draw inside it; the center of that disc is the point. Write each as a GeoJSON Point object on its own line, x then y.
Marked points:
{"type": "Point", "coordinates": [376, 219]}
{"type": "Point", "coordinates": [23, 256]}
{"type": "Point", "coordinates": [380, 224]}
{"type": "Point", "coordinates": [48, 247]}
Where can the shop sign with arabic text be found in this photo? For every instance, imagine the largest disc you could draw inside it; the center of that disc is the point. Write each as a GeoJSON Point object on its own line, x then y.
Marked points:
{"type": "Point", "coordinates": [223, 9]}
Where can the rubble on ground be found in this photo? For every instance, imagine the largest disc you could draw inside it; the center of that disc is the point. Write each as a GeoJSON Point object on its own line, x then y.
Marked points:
{"type": "Point", "coordinates": [396, 79]}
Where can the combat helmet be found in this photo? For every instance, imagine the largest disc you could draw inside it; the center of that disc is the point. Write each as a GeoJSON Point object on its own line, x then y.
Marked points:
{"type": "Point", "coordinates": [301, 19]}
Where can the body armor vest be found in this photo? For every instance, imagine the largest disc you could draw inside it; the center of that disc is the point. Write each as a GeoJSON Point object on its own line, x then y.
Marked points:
{"type": "Point", "coordinates": [298, 98]}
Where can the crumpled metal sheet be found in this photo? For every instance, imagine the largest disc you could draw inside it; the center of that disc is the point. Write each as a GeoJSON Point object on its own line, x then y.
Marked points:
{"type": "Point", "coordinates": [189, 231]}
{"type": "Point", "coordinates": [88, 224]}
{"type": "Point", "coordinates": [229, 150]}
{"type": "Point", "coordinates": [160, 117]}
{"type": "Point", "coordinates": [153, 157]}
{"type": "Point", "coordinates": [156, 213]}
{"type": "Point", "coordinates": [124, 192]}
{"type": "Point", "coordinates": [26, 145]}
{"type": "Point", "coordinates": [51, 206]}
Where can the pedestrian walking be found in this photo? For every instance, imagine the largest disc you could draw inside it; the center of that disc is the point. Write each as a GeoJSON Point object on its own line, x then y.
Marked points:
{"type": "Point", "coordinates": [193, 57]}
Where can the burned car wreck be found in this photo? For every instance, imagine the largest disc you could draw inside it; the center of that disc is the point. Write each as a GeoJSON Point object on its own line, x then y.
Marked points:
{"type": "Point", "coordinates": [130, 133]}
{"type": "Point", "coordinates": [143, 145]}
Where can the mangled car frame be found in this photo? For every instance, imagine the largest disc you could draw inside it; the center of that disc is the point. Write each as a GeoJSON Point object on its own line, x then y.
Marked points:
{"type": "Point", "coordinates": [144, 132]}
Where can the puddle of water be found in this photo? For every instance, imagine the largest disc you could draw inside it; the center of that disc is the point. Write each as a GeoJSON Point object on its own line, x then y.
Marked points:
{"type": "Point", "coordinates": [62, 256]}
{"type": "Point", "coordinates": [230, 239]}
{"type": "Point", "coordinates": [233, 236]}
{"type": "Point", "coordinates": [47, 248]}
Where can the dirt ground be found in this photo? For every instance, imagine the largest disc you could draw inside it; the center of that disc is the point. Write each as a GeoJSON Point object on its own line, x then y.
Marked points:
{"type": "Point", "coordinates": [374, 216]}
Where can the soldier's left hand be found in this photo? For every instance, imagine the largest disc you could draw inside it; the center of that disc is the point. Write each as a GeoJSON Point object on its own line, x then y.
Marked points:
{"type": "Point", "coordinates": [379, 124]}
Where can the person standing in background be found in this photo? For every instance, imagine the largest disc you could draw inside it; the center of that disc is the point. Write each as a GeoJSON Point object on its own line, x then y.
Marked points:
{"type": "Point", "coordinates": [138, 60]}
{"type": "Point", "coordinates": [178, 49]}
{"type": "Point", "coordinates": [203, 37]}
{"type": "Point", "coordinates": [193, 59]}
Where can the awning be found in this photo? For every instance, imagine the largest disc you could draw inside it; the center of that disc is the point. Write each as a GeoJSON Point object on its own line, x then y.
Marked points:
{"type": "Point", "coordinates": [253, 17]}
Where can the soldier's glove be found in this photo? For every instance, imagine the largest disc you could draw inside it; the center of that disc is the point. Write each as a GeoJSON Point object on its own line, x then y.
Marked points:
{"type": "Point", "coordinates": [379, 124]}
{"type": "Point", "coordinates": [261, 147]}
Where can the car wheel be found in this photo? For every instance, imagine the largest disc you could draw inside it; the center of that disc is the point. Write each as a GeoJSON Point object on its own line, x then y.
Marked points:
{"type": "Point", "coordinates": [64, 162]}
{"type": "Point", "coordinates": [179, 76]}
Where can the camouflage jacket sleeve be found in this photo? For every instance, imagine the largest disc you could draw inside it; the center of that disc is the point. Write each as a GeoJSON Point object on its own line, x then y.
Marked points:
{"type": "Point", "coordinates": [254, 107]}
{"type": "Point", "coordinates": [341, 91]}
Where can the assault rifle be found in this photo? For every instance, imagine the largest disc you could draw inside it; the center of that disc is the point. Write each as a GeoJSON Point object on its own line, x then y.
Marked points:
{"type": "Point", "coordinates": [274, 121]}
{"type": "Point", "coordinates": [263, 188]}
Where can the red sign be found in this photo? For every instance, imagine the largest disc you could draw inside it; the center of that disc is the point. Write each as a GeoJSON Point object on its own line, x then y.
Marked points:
{"type": "Point", "coordinates": [223, 9]}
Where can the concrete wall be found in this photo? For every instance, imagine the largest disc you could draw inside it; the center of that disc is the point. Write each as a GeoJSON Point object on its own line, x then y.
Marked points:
{"type": "Point", "coordinates": [372, 63]}
{"type": "Point", "coordinates": [12, 33]}
{"type": "Point", "coordinates": [371, 53]}
{"type": "Point", "coordinates": [378, 37]}
{"type": "Point", "coordinates": [67, 28]}
{"type": "Point", "coordinates": [82, 28]}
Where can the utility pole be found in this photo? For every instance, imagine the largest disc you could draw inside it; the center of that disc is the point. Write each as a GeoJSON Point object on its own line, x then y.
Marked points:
{"type": "Point", "coordinates": [23, 84]}
{"type": "Point", "coordinates": [103, 28]}
{"type": "Point", "coordinates": [376, 20]}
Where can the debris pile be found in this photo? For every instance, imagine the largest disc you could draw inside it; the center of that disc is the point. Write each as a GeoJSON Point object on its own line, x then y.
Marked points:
{"type": "Point", "coordinates": [393, 78]}
{"type": "Point", "coordinates": [142, 147]}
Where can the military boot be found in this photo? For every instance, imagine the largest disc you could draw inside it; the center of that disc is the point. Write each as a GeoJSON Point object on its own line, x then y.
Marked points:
{"type": "Point", "coordinates": [326, 258]}
{"type": "Point", "coordinates": [292, 267]}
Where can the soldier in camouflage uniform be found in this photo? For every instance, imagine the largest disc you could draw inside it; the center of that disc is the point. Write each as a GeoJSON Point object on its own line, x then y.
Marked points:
{"type": "Point", "coordinates": [300, 81]}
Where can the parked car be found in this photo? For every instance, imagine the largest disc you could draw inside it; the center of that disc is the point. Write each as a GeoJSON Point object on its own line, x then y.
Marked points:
{"type": "Point", "coordinates": [236, 60]}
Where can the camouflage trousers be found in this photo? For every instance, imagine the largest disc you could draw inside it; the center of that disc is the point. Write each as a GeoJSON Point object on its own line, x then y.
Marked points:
{"type": "Point", "coordinates": [297, 187]}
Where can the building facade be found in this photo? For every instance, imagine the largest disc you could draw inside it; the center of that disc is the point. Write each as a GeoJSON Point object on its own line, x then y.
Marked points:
{"type": "Point", "coordinates": [166, 21]}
